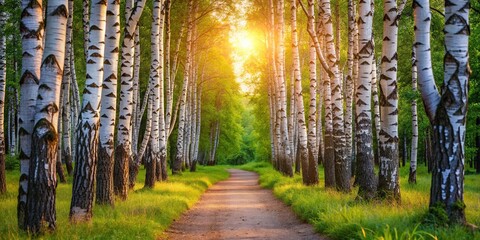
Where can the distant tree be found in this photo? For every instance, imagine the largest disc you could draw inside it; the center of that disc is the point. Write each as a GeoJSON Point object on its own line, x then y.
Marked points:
{"type": "Point", "coordinates": [180, 153]}
{"type": "Point", "coordinates": [412, 176]}
{"type": "Point", "coordinates": [3, 77]}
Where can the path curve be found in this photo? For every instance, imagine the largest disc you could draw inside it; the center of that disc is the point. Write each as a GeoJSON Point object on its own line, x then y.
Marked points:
{"type": "Point", "coordinates": [238, 208]}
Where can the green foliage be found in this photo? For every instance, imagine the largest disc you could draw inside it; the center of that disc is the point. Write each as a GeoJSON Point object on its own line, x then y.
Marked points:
{"type": "Point", "coordinates": [339, 216]}
{"type": "Point", "coordinates": [12, 162]}
{"type": "Point", "coordinates": [145, 215]}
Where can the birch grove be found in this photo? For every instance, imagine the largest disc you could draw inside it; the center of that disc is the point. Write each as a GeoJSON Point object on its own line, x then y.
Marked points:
{"type": "Point", "coordinates": [201, 83]}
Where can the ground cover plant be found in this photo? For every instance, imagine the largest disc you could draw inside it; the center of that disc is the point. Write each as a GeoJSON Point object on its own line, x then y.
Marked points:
{"type": "Point", "coordinates": [339, 216]}
{"type": "Point", "coordinates": [145, 215]}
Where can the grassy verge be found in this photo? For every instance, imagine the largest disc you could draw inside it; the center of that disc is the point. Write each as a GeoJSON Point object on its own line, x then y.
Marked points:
{"type": "Point", "coordinates": [340, 217]}
{"type": "Point", "coordinates": [145, 215]}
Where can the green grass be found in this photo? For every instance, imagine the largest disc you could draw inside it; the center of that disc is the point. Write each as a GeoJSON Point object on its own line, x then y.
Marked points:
{"type": "Point", "coordinates": [145, 215]}
{"type": "Point", "coordinates": [338, 216]}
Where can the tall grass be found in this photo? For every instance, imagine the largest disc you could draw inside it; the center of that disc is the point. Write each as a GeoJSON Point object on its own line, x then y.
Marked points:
{"type": "Point", "coordinates": [339, 216]}
{"type": "Point", "coordinates": [145, 215]}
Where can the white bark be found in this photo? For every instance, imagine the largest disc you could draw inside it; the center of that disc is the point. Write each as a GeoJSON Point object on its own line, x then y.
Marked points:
{"type": "Point", "coordinates": [342, 166]}
{"type": "Point", "coordinates": [32, 49]}
{"type": "Point", "coordinates": [300, 112]}
{"type": "Point", "coordinates": [388, 184]}
{"type": "Point", "coordinates": [426, 81]}
{"type": "Point", "coordinates": [180, 155]}
{"type": "Point", "coordinates": [87, 131]}
{"type": "Point", "coordinates": [414, 148]}
{"type": "Point", "coordinates": [312, 128]}
{"type": "Point", "coordinates": [364, 156]}
{"type": "Point", "coordinates": [42, 172]}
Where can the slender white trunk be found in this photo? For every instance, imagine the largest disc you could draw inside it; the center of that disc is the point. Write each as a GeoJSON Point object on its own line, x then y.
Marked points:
{"type": "Point", "coordinates": [108, 109]}
{"type": "Point", "coordinates": [312, 128]}
{"type": "Point", "coordinates": [412, 177]}
{"type": "Point", "coordinates": [180, 155]}
{"type": "Point", "coordinates": [300, 112]}
{"type": "Point", "coordinates": [123, 150]}
{"type": "Point", "coordinates": [388, 183]}
{"type": "Point", "coordinates": [3, 77]}
{"type": "Point", "coordinates": [32, 50]}
{"type": "Point", "coordinates": [349, 83]}
{"type": "Point", "coordinates": [363, 109]}
{"type": "Point", "coordinates": [87, 132]}
{"type": "Point", "coordinates": [342, 166]}
{"type": "Point", "coordinates": [286, 155]}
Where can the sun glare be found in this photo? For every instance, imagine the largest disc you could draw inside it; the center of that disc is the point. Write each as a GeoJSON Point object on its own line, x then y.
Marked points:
{"type": "Point", "coordinates": [243, 41]}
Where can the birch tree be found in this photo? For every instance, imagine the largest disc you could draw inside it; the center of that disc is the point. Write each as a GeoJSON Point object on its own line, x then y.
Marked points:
{"type": "Point", "coordinates": [302, 129]}
{"type": "Point", "coordinates": [364, 155]}
{"type": "Point", "coordinates": [342, 169]}
{"type": "Point", "coordinates": [312, 131]}
{"type": "Point", "coordinates": [388, 182]}
{"type": "Point", "coordinates": [66, 138]}
{"type": "Point", "coordinates": [285, 154]}
{"type": "Point", "coordinates": [180, 154]}
{"type": "Point", "coordinates": [88, 128]}
{"type": "Point", "coordinates": [446, 109]}
{"type": "Point", "coordinates": [32, 49]}
{"type": "Point", "coordinates": [412, 176]}
{"type": "Point", "coordinates": [42, 182]}
{"type": "Point", "coordinates": [3, 77]}
{"type": "Point", "coordinates": [123, 150]}
{"type": "Point", "coordinates": [104, 188]}
{"type": "Point", "coordinates": [349, 82]}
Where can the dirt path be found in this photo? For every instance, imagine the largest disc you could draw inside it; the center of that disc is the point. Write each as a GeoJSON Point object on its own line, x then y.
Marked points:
{"type": "Point", "coordinates": [239, 208]}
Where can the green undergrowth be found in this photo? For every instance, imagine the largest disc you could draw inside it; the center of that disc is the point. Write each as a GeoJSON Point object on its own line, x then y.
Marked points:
{"type": "Point", "coordinates": [338, 216]}
{"type": "Point", "coordinates": [145, 215]}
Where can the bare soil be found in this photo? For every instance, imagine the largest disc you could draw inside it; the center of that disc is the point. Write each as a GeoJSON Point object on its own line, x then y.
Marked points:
{"type": "Point", "coordinates": [238, 208]}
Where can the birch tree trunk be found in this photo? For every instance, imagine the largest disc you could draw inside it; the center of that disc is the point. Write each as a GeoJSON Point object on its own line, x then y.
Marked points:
{"type": "Point", "coordinates": [412, 177]}
{"type": "Point", "coordinates": [180, 154]}
{"type": "Point", "coordinates": [137, 107]}
{"type": "Point", "coordinates": [364, 154]}
{"type": "Point", "coordinates": [32, 50]}
{"type": "Point", "coordinates": [86, 26]}
{"type": "Point", "coordinates": [42, 183]}
{"type": "Point", "coordinates": [349, 83]}
{"type": "Point", "coordinates": [300, 112]}
{"type": "Point", "coordinates": [152, 154]}
{"type": "Point", "coordinates": [162, 161]}
{"type": "Point", "coordinates": [104, 188]}
{"type": "Point", "coordinates": [286, 148]}
{"type": "Point", "coordinates": [88, 128]}
{"type": "Point", "coordinates": [3, 77]}
{"type": "Point", "coordinates": [342, 168]}
{"type": "Point", "coordinates": [312, 128]}
{"type": "Point", "coordinates": [448, 112]}
{"type": "Point", "coordinates": [123, 150]}
{"type": "Point", "coordinates": [388, 182]}
{"type": "Point", "coordinates": [66, 146]}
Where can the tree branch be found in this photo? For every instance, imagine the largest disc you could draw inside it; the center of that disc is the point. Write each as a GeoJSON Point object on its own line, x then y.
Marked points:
{"type": "Point", "coordinates": [438, 11]}
{"type": "Point", "coordinates": [317, 45]}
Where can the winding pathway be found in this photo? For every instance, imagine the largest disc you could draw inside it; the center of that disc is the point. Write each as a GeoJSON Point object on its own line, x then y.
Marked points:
{"type": "Point", "coordinates": [238, 208]}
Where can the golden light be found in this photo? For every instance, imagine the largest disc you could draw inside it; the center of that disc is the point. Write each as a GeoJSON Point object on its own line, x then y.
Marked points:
{"type": "Point", "coordinates": [243, 41]}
